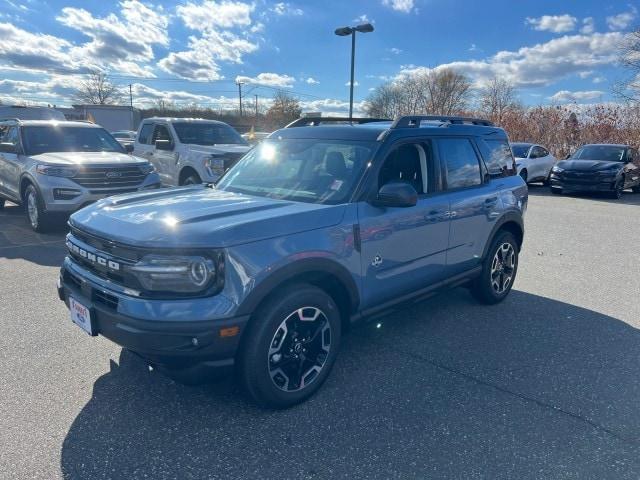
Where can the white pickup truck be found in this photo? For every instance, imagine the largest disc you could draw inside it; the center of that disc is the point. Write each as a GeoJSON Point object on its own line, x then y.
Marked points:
{"type": "Point", "coordinates": [186, 150]}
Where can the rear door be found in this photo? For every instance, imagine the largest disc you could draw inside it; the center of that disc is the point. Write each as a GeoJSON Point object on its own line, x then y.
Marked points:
{"type": "Point", "coordinates": [403, 250]}
{"type": "Point", "coordinates": [474, 201]}
{"type": "Point", "coordinates": [10, 163]}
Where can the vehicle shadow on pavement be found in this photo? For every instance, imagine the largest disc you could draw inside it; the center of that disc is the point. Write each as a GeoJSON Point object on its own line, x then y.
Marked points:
{"type": "Point", "coordinates": [19, 241]}
{"type": "Point", "coordinates": [530, 388]}
{"type": "Point", "coordinates": [628, 197]}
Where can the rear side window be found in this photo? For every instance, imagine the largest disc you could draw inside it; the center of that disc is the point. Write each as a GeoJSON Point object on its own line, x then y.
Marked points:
{"type": "Point", "coordinates": [145, 133]}
{"type": "Point", "coordinates": [460, 162]}
{"type": "Point", "coordinates": [498, 157]}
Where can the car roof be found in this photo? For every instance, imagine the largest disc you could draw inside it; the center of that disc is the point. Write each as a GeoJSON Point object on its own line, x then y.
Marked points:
{"type": "Point", "coordinates": [180, 119]}
{"type": "Point", "coordinates": [46, 123]}
{"type": "Point", "coordinates": [617, 145]}
{"type": "Point", "coordinates": [372, 131]}
{"type": "Point", "coordinates": [522, 144]}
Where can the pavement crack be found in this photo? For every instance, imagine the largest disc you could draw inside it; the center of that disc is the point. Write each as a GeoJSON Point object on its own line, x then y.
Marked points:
{"type": "Point", "coordinates": [524, 397]}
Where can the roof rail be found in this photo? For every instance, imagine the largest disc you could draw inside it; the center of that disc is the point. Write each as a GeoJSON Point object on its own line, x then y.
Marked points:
{"type": "Point", "coordinates": [413, 121]}
{"type": "Point", "coordinates": [10, 119]}
{"type": "Point", "coordinates": [315, 121]}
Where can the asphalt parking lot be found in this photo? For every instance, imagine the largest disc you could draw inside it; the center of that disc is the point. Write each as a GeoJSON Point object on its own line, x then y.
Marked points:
{"type": "Point", "coordinates": [544, 385]}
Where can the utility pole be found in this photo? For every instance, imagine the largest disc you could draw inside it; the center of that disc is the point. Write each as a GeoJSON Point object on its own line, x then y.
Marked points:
{"type": "Point", "coordinates": [256, 105]}
{"type": "Point", "coordinates": [240, 96]}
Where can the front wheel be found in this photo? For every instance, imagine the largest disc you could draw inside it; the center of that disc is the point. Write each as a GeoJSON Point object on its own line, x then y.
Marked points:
{"type": "Point", "coordinates": [290, 346]}
{"type": "Point", "coordinates": [524, 175]}
{"type": "Point", "coordinates": [191, 179]}
{"type": "Point", "coordinates": [498, 270]}
{"type": "Point", "coordinates": [2, 201]}
{"type": "Point", "coordinates": [617, 190]}
{"type": "Point", "coordinates": [39, 219]}
{"type": "Point", "coordinates": [636, 189]}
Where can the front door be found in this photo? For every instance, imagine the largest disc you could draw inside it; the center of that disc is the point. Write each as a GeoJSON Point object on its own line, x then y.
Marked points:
{"type": "Point", "coordinates": [165, 160]}
{"type": "Point", "coordinates": [10, 163]}
{"type": "Point", "coordinates": [404, 249]}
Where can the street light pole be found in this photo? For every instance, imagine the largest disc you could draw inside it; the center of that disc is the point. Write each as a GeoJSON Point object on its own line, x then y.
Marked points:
{"type": "Point", "coordinates": [343, 32]}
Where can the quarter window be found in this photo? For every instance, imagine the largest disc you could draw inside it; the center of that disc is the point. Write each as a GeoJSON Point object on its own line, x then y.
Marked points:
{"type": "Point", "coordinates": [461, 162]}
{"type": "Point", "coordinates": [498, 157]}
{"type": "Point", "coordinates": [145, 133]}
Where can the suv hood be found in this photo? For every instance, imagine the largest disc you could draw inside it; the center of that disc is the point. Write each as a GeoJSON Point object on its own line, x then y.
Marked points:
{"type": "Point", "coordinates": [220, 148]}
{"type": "Point", "coordinates": [87, 158]}
{"type": "Point", "coordinates": [588, 165]}
{"type": "Point", "coordinates": [199, 216]}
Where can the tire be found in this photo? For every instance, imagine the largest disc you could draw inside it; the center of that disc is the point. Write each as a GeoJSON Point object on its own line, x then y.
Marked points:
{"type": "Point", "coordinates": [191, 179]}
{"type": "Point", "coordinates": [524, 175]}
{"type": "Point", "coordinates": [2, 202]}
{"type": "Point", "coordinates": [617, 191]}
{"type": "Point", "coordinates": [636, 189]}
{"type": "Point", "coordinates": [274, 336]}
{"type": "Point", "coordinates": [38, 218]}
{"type": "Point", "coordinates": [556, 191]}
{"type": "Point", "coordinates": [499, 270]}
{"type": "Point", "coordinates": [547, 181]}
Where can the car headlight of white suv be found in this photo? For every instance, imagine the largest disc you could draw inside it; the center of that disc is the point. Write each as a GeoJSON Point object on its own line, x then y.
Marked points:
{"type": "Point", "coordinates": [215, 164]}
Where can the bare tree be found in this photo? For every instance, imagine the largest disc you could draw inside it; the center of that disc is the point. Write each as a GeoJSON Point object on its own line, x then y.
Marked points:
{"type": "Point", "coordinates": [284, 109]}
{"type": "Point", "coordinates": [498, 98]}
{"type": "Point", "coordinates": [97, 89]}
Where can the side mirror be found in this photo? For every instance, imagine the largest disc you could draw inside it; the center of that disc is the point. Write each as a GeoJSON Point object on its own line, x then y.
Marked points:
{"type": "Point", "coordinates": [396, 194]}
{"type": "Point", "coordinates": [8, 148]}
{"type": "Point", "coordinates": [164, 145]}
{"type": "Point", "coordinates": [129, 147]}
{"type": "Point", "coordinates": [568, 156]}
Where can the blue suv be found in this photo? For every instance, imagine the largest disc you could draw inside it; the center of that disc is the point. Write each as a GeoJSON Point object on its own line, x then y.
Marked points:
{"type": "Point", "coordinates": [326, 222]}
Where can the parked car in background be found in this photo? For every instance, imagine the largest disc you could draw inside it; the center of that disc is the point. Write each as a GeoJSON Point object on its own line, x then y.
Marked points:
{"type": "Point", "coordinates": [54, 168]}
{"type": "Point", "coordinates": [255, 137]}
{"type": "Point", "coordinates": [598, 168]}
{"type": "Point", "coordinates": [126, 138]}
{"type": "Point", "coordinates": [187, 151]}
{"type": "Point", "coordinates": [20, 112]}
{"type": "Point", "coordinates": [533, 162]}
{"type": "Point", "coordinates": [316, 227]}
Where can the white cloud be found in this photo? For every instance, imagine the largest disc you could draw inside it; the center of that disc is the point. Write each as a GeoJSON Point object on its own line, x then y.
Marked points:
{"type": "Point", "coordinates": [394, 50]}
{"type": "Point", "coordinates": [566, 96]}
{"type": "Point", "coordinates": [283, 9]}
{"type": "Point", "coordinates": [333, 107]}
{"type": "Point", "coordinates": [553, 23]}
{"type": "Point", "coordinates": [404, 6]}
{"type": "Point", "coordinates": [599, 79]}
{"type": "Point", "coordinates": [588, 25]}
{"type": "Point", "coordinates": [269, 79]}
{"type": "Point", "coordinates": [540, 64]}
{"type": "Point", "coordinates": [312, 81]}
{"type": "Point", "coordinates": [363, 19]}
{"type": "Point", "coordinates": [622, 20]}
{"type": "Point", "coordinates": [218, 41]}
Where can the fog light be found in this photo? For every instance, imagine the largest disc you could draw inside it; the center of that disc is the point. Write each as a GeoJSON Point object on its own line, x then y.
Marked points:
{"type": "Point", "coordinates": [65, 193]}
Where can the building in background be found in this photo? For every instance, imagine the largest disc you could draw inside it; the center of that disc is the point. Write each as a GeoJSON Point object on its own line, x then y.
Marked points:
{"type": "Point", "coordinates": [111, 117]}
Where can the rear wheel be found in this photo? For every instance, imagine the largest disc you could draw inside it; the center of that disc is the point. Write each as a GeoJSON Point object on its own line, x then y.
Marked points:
{"type": "Point", "coordinates": [498, 270]}
{"type": "Point", "coordinates": [290, 346]}
{"type": "Point", "coordinates": [39, 219]}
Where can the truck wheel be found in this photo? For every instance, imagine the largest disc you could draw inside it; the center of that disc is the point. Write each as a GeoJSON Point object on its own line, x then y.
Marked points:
{"type": "Point", "coordinates": [192, 178]}
{"type": "Point", "coordinates": [498, 270]}
{"type": "Point", "coordinates": [39, 220]}
{"type": "Point", "coordinates": [290, 346]}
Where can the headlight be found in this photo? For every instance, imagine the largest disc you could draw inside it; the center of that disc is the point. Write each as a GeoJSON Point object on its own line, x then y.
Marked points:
{"type": "Point", "coordinates": [147, 168]}
{"type": "Point", "coordinates": [215, 163]}
{"type": "Point", "coordinates": [557, 169]}
{"type": "Point", "coordinates": [178, 274]}
{"type": "Point", "coordinates": [56, 171]}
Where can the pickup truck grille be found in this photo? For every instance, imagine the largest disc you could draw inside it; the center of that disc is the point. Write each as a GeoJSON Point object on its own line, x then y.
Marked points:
{"type": "Point", "coordinates": [104, 179]}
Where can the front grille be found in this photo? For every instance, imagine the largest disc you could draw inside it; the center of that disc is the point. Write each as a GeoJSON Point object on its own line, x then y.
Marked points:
{"type": "Point", "coordinates": [99, 179]}
{"type": "Point", "coordinates": [106, 299]}
{"type": "Point", "coordinates": [230, 159]}
{"type": "Point", "coordinates": [113, 192]}
{"type": "Point", "coordinates": [98, 296]}
{"type": "Point", "coordinates": [72, 279]}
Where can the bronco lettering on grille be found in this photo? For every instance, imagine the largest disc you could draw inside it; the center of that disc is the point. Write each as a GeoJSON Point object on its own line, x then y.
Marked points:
{"type": "Point", "coordinates": [93, 258]}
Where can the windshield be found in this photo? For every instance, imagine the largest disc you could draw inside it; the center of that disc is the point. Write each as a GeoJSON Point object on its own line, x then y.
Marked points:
{"type": "Point", "coordinates": [600, 152]}
{"type": "Point", "coordinates": [314, 171]}
{"type": "Point", "coordinates": [47, 139]}
{"type": "Point", "coordinates": [520, 151]}
{"type": "Point", "coordinates": [207, 134]}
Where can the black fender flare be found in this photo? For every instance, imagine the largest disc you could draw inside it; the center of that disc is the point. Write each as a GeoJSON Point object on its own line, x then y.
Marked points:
{"type": "Point", "coordinates": [311, 266]}
{"type": "Point", "coordinates": [509, 217]}
{"type": "Point", "coordinates": [27, 176]}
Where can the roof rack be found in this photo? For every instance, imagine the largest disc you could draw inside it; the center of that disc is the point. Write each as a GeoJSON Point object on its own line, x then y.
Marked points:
{"type": "Point", "coordinates": [315, 121]}
{"type": "Point", "coordinates": [413, 121]}
{"type": "Point", "coordinates": [10, 119]}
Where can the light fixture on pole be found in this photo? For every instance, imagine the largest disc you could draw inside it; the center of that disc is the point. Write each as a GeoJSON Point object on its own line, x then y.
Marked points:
{"type": "Point", "coordinates": [343, 32]}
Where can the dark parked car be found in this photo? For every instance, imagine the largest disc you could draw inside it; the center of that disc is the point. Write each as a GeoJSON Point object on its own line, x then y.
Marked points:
{"type": "Point", "coordinates": [317, 227]}
{"type": "Point", "coordinates": [598, 168]}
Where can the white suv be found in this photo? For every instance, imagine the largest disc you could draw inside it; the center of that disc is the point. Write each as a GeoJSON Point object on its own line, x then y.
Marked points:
{"type": "Point", "coordinates": [534, 162]}
{"type": "Point", "coordinates": [187, 150]}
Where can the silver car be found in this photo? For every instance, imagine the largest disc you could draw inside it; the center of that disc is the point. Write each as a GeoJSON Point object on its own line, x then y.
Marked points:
{"type": "Point", "coordinates": [54, 168]}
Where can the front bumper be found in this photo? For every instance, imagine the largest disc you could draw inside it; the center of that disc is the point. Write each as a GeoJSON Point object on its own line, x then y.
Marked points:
{"type": "Point", "coordinates": [180, 343]}
{"type": "Point", "coordinates": [586, 184]}
{"type": "Point", "coordinates": [50, 188]}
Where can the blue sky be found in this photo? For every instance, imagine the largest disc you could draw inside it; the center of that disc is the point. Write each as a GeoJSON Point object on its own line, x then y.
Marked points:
{"type": "Point", "coordinates": [195, 50]}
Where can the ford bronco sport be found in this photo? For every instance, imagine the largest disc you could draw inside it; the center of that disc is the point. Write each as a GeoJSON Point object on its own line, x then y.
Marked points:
{"type": "Point", "coordinates": [54, 168]}
{"type": "Point", "coordinates": [324, 223]}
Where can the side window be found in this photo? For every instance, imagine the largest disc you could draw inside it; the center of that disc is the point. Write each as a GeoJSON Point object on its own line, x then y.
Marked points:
{"type": "Point", "coordinates": [145, 133]}
{"type": "Point", "coordinates": [498, 157]}
{"type": "Point", "coordinates": [161, 132]}
{"type": "Point", "coordinates": [11, 136]}
{"type": "Point", "coordinates": [538, 152]}
{"type": "Point", "coordinates": [460, 162]}
{"type": "Point", "coordinates": [544, 152]}
{"type": "Point", "coordinates": [410, 163]}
